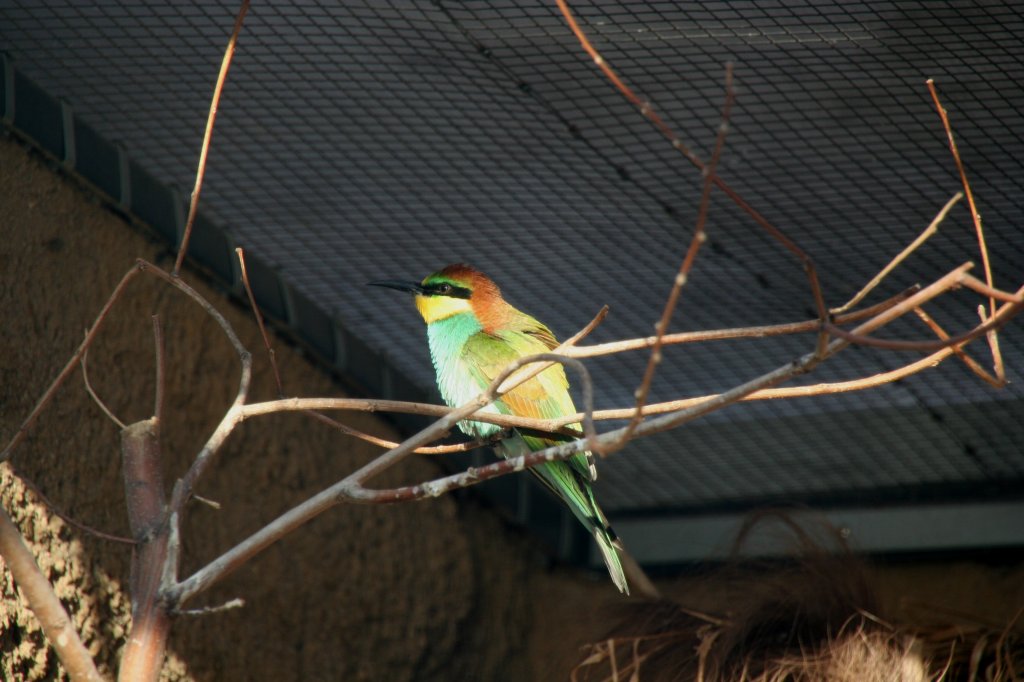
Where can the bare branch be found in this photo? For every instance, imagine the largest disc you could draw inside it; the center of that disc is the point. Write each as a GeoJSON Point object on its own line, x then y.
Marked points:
{"type": "Point", "coordinates": [559, 426]}
{"type": "Point", "coordinates": [384, 443]}
{"type": "Point", "coordinates": [193, 206]}
{"type": "Point", "coordinates": [734, 333]}
{"type": "Point", "coordinates": [72, 363]}
{"type": "Point", "coordinates": [1003, 315]}
{"type": "Point", "coordinates": [66, 518]}
{"type": "Point", "coordinates": [158, 399]}
{"type": "Point", "coordinates": [235, 603]}
{"type": "Point", "coordinates": [403, 407]}
{"type": "Point", "coordinates": [143, 478]}
{"type": "Point", "coordinates": [350, 488]}
{"type": "Point", "coordinates": [43, 601]}
{"type": "Point", "coordinates": [885, 316]}
{"type": "Point", "coordinates": [92, 394]}
{"type": "Point", "coordinates": [897, 344]}
{"type": "Point", "coordinates": [143, 481]}
{"type": "Point", "coordinates": [259, 322]}
{"type": "Point", "coordinates": [212, 504]}
{"type": "Point", "coordinates": [699, 237]}
{"type": "Point", "coordinates": [648, 112]}
{"type": "Point", "coordinates": [803, 364]}
{"type": "Point", "coordinates": [993, 339]}
{"type": "Point", "coordinates": [232, 415]}
{"type": "Point", "coordinates": [975, 215]}
{"type": "Point", "coordinates": [960, 353]}
{"type": "Point", "coordinates": [997, 356]}
{"type": "Point", "coordinates": [975, 284]}
{"type": "Point", "coordinates": [921, 239]}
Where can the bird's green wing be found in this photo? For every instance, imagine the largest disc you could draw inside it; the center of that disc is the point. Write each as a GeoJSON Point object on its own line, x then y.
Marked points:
{"type": "Point", "coordinates": [545, 396]}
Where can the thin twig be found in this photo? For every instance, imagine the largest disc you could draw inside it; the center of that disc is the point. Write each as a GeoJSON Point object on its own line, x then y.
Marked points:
{"type": "Point", "coordinates": [43, 602]}
{"type": "Point", "coordinates": [650, 114]}
{"type": "Point", "coordinates": [400, 406]}
{"type": "Point", "coordinates": [993, 344]}
{"type": "Point", "coordinates": [230, 418]}
{"type": "Point", "coordinates": [993, 339]}
{"type": "Point", "coordinates": [72, 363]}
{"type": "Point", "coordinates": [385, 443]}
{"type": "Point", "coordinates": [235, 603]}
{"type": "Point", "coordinates": [932, 228]}
{"type": "Point", "coordinates": [926, 346]}
{"type": "Point", "coordinates": [1004, 313]}
{"type": "Point", "coordinates": [764, 331]}
{"type": "Point", "coordinates": [958, 350]}
{"type": "Point", "coordinates": [682, 276]}
{"type": "Point", "coordinates": [193, 206]}
{"type": "Point", "coordinates": [975, 215]}
{"type": "Point", "coordinates": [66, 518]}
{"type": "Point", "coordinates": [975, 284]}
{"type": "Point", "coordinates": [259, 322]}
{"type": "Point", "coordinates": [213, 504]}
{"type": "Point", "coordinates": [92, 394]}
{"type": "Point", "coordinates": [158, 399]}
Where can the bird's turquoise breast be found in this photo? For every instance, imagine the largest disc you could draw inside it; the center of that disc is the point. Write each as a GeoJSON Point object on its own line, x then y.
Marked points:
{"type": "Point", "coordinates": [455, 377]}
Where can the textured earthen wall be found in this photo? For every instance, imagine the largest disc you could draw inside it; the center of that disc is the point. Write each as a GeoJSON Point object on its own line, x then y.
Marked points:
{"type": "Point", "coordinates": [433, 590]}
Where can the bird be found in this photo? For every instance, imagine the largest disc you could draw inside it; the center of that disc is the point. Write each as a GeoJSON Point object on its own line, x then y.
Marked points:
{"type": "Point", "coordinates": [474, 334]}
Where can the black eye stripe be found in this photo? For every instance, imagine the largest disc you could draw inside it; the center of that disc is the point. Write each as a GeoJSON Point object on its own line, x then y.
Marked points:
{"type": "Point", "coordinates": [447, 289]}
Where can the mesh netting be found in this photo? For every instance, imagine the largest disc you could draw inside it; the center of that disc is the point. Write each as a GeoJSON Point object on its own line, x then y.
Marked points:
{"type": "Point", "coordinates": [384, 140]}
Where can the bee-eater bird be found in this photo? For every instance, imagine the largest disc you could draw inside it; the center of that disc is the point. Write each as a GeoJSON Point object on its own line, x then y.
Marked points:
{"type": "Point", "coordinates": [474, 335]}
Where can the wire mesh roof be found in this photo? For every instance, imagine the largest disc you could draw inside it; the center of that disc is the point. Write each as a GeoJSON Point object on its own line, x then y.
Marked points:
{"type": "Point", "coordinates": [358, 141]}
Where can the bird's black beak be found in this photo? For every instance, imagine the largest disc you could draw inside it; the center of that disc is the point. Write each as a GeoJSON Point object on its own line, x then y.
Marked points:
{"type": "Point", "coordinates": [413, 287]}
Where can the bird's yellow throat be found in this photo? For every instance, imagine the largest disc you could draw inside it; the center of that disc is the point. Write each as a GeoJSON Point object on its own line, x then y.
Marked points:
{"type": "Point", "coordinates": [434, 308]}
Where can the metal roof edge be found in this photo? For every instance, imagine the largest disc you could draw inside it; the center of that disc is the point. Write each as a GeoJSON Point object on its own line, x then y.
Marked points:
{"type": "Point", "coordinates": [905, 529]}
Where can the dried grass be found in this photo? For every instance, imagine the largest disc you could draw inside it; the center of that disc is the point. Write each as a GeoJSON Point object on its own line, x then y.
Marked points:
{"type": "Point", "coordinates": [812, 620]}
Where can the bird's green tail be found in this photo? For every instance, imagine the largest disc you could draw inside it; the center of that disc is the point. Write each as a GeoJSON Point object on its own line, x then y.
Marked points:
{"type": "Point", "coordinates": [570, 485]}
{"type": "Point", "coordinates": [610, 547]}
{"type": "Point", "coordinates": [607, 542]}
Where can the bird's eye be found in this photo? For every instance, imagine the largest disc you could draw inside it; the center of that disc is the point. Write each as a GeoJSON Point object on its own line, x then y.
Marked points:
{"type": "Point", "coordinates": [444, 289]}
